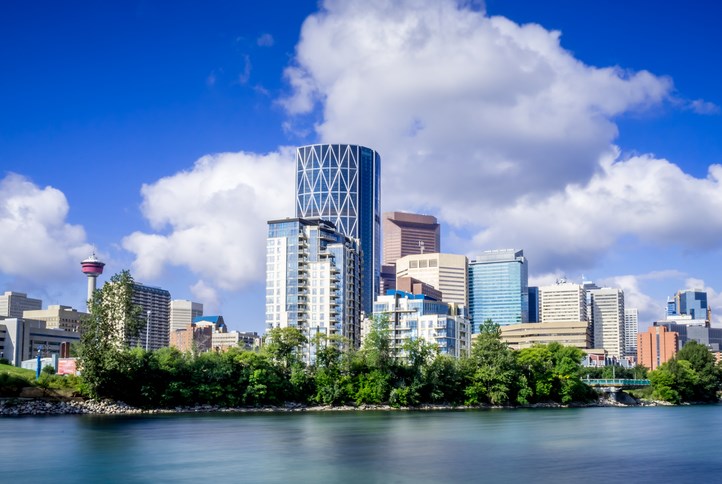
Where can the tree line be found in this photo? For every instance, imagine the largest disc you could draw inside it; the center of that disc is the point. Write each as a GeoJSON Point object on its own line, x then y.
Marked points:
{"type": "Point", "coordinates": [492, 374]}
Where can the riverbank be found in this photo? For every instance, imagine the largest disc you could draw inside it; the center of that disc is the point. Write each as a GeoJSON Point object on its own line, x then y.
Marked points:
{"type": "Point", "coordinates": [21, 406]}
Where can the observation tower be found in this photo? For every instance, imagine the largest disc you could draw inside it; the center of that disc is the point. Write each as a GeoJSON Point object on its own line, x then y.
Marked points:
{"type": "Point", "coordinates": [92, 267]}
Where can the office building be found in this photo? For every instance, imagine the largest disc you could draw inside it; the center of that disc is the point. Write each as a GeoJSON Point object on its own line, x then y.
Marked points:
{"type": "Point", "coordinates": [216, 322]}
{"type": "Point", "coordinates": [387, 278]}
{"type": "Point", "coordinates": [22, 339]}
{"type": "Point", "coordinates": [192, 337]}
{"type": "Point", "coordinates": [700, 332]}
{"type": "Point", "coordinates": [414, 316]}
{"type": "Point", "coordinates": [567, 333]}
{"type": "Point", "coordinates": [631, 329]}
{"type": "Point", "coordinates": [446, 272]}
{"type": "Point", "coordinates": [58, 317]}
{"type": "Point", "coordinates": [341, 184]}
{"type": "Point", "coordinates": [499, 288]}
{"type": "Point", "coordinates": [183, 313]}
{"type": "Point", "coordinates": [563, 301]}
{"type": "Point", "coordinates": [607, 318]}
{"type": "Point", "coordinates": [656, 346]}
{"type": "Point", "coordinates": [312, 279]}
{"type": "Point", "coordinates": [236, 339]}
{"type": "Point", "coordinates": [690, 303]}
{"type": "Point", "coordinates": [533, 304]}
{"type": "Point", "coordinates": [409, 233]}
{"type": "Point", "coordinates": [414, 286]}
{"type": "Point", "coordinates": [14, 304]}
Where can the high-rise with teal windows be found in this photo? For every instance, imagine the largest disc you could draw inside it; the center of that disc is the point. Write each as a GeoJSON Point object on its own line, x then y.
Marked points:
{"type": "Point", "coordinates": [340, 183]}
{"type": "Point", "coordinates": [499, 288]}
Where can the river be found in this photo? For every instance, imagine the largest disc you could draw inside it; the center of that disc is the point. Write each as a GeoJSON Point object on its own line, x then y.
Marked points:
{"type": "Point", "coordinates": [638, 444]}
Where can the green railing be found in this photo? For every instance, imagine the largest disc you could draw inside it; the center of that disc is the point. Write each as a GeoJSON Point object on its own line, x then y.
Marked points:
{"type": "Point", "coordinates": [615, 382]}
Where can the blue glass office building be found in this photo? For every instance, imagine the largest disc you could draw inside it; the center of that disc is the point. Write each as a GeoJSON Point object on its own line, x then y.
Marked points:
{"type": "Point", "coordinates": [692, 303]}
{"type": "Point", "coordinates": [340, 183]}
{"type": "Point", "coordinates": [498, 288]}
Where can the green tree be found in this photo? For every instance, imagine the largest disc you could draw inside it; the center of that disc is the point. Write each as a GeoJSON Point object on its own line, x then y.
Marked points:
{"type": "Point", "coordinates": [285, 345]}
{"type": "Point", "coordinates": [376, 348]}
{"type": "Point", "coordinates": [673, 381]}
{"type": "Point", "coordinates": [708, 375]}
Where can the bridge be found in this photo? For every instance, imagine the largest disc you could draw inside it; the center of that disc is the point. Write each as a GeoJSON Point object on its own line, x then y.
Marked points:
{"type": "Point", "coordinates": [615, 383]}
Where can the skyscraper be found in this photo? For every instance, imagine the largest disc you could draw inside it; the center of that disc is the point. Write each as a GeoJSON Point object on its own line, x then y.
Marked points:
{"type": "Point", "coordinates": [13, 304]}
{"type": "Point", "coordinates": [312, 280]}
{"type": "Point", "coordinates": [499, 288]}
{"type": "Point", "coordinates": [563, 301]}
{"type": "Point", "coordinates": [607, 317]}
{"type": "Point", "coordinates": [631, 330]}
{"type": "Point", "coordinates": [692, 303]}
{"type": "Point", "coordinates": [341, 183]}
{"type": "Point", "coordinates": [183, 313]}
{"type": "Point", "coordinates": [409, 233]}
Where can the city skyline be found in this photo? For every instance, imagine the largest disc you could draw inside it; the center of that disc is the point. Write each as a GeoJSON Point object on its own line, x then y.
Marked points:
{"type": "Point", "coordinates": [165, 138]}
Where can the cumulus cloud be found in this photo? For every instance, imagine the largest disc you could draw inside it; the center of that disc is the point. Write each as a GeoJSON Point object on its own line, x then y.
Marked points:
{"type": "Point", "coordinates": [208, 295]}
{"type": "Point", "coordinates": [433, 84]}
{"type": "Point", "coordinates": [637, 196]}
{"type": "Point", "coordinates": [37, 244]}
{"type": "Point", "coordinates": [700, 106]}
{"type": "Point", "coordinates": [212, 218]}
{"type": "Point", "coordinates": [265, 40]}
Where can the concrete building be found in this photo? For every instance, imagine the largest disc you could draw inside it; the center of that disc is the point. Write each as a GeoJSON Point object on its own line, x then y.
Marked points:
{"type": "Point", "coordinates": [155, 306]}
{"type": "Point", "coordinates": [567, 333]}
{"type": "Point", "coordinates": [408, 234]}
{"type": "Point", "coordinates": [313, 279]}
{"type": "Point", "coordinates": [414, 286]}
{"type": "Point", "coordinates": [656, 346]}
{"type": "Point", "coordinates": [340, 183]}
{"type": "Point", "coordinates": [700, 332]}
{"type": "Point", "coordinates": [216, 322]}
{"type": "Point", "coordinates": [563, 301]}
{"type": "Point", "coordinates": [499, 288]}
{"type": "Point", "coordinates": [446, 272]}
{"type": "Point", "coordinates": [58, 317]}
{"type": "Point", "coordinates": [14, 304]}
{"type": "Point", "coordinates": [235, 339]}
{"type": "Point", "coordinates": [692, 303]}
{"type": "Point", "coordinates": [607, 318]}
{"type": "Point", "coordinates": [21, 339]}
{"type": "Point", "coordinates": [413, 316]}
{"type": "Point", "coordinates": [631, 329]}
{"type": "Point", "coordinates": [183, 313]}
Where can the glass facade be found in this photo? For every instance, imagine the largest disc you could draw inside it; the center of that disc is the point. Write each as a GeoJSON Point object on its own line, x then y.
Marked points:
{"type": "Point", "coordinates": [312, 280]}
{"type": "Point", "coordinates": [693, 303]}
{"type": "Point", "coordinates": [341, 183]}
{"type": "Point", "coordinates": [499, 288]}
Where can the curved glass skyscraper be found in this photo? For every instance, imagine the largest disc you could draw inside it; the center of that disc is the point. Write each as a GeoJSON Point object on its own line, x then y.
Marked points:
{"type": "Point", "coordinates": [340, 183]}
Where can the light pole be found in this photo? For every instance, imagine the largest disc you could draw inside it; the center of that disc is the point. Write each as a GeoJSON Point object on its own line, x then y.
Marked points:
{"type": "Point", "coordinates": [147, 330]}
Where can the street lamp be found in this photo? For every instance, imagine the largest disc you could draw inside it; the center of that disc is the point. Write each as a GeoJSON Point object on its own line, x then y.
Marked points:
{"type": "Point", "coordinates": [147, 330]}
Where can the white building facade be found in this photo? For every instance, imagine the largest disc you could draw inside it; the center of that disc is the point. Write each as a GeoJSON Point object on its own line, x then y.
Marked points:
{"type": "Point", "coordinates": [446, 272]}
{"type": "Point", "coordinates": [562, 302]}
{"type": "Point", "coordinates": [607, 318]}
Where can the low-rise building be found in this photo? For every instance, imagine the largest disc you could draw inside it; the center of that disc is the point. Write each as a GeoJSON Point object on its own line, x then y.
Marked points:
{"type": "Point", "coordinates": [567, 333]}
{"type": "Point", "coordinates": [58, 317]}
{"type": "Point", "coordinates": [656, 346]}
{"type": "Point", "coordinates": [22, 339]}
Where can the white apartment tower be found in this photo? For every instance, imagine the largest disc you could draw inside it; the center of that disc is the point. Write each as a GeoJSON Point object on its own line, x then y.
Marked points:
{"type": "Point", "coordinates": [446, 272]}
{"type": "Point", "coordinates": [562, 302]}
{"type": "Point", "coordinates": [631, 329]}
{"type": "Point", "coordinates": [607, 317]}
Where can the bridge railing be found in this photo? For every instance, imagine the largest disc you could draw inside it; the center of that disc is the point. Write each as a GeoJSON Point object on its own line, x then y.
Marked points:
{"type": "Point", "coordinates": [615, 382]}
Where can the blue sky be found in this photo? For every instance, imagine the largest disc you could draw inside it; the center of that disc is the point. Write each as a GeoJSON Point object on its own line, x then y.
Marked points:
{"type": "Point", "coordinates": [595, 151]}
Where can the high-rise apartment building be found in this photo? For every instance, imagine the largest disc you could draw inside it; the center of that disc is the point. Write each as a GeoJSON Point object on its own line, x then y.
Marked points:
{"type": "Point", "coordinates": [499, 288]}
{"type": "Point", "coordinates": [631, 329]}
{"type": "Point", "coordinates": [563, 301]}
{"type": "Point", "coordinates": [656, 346]}
{"type": "Point", "coordinates": [607, 318]}
{"type": "Point", "coordinates": [417, 316]}
{"type": "Point", "coordinates": [58, 317]}
{"type": "Point", "coordinates": [155, 309]}
{"type": "Point", "coordinates": [341, 184]}
{"type": "Point", "coordinates": [409, 233]}
{"type": "Point", "coordinates": [312, 280]}
{"type": "Point", "coordinates": [183, 313]}
{"type": "Point", "coordinates": [13, 304]}
{"type": "Point", "coordinates": [446, 272]}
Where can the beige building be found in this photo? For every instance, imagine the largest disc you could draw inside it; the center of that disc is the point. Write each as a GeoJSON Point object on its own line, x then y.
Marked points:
{"type": "Point", "coordinates": [567, 333]}
{"type": "Point", "coordinates": [13, 304]}
{"type": "Point", "coordinates": [22, 339]}
{"type": "Point", "coordinates": [562, 302]}
{"type": "Point", "coordinates": [607, 318]}
{"type": "Point", "coordinates": [232, 339]}
{"type": "Point", "coordinates": [58, 317]}
{"type": "Point", "coordinates": [446, 272]}
{"type": "Point", "coordinates": [183, 313]}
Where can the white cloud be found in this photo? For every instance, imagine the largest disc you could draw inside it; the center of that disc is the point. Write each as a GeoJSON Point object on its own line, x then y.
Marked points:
{"type": "Point", "coordinates": [265, 40]}
{"type": "Point", "coordinates": [36, 243]}
{"type": "Point", "coordinates": [433, 84]}
{"type": "Point", "coordinates": [207, 295]}
{"type": "Point", "coordinates": [638, 196]}
{"type": "Point", "coordinates": [700, 106]}
{"type": "Point", "coordinates": [650, 308]}
{"type": "Point", "coordinates": [212, 219]}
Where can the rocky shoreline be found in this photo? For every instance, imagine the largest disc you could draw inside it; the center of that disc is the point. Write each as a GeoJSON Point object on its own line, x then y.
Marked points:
{"type": "Point", "coordinates": [20, 407]}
